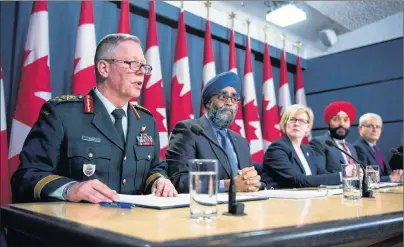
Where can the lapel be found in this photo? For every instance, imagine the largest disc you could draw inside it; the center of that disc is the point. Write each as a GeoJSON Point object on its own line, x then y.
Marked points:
{"type": "Point", "coordinates": [336, 152]}
{"type": "Point", "coordinates": [294, 154]}
{"type": "Point", "coordinates": [370, 150]}
{"type": "Point", "coordinates": [102, 121]}
{"type": "Point", "coordinates": [307, 152]}
{"type": "Point", "coordinates": [234, 140]}
{"type": "Point", "coordinates": [131, 133]}
{"type": "Point", "coordinates": [219, 153]}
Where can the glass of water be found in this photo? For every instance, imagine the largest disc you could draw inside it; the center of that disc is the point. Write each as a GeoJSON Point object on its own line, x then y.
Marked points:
{"type": "Point", "coordinates": [203, 187]}
{"type": "Point", "coordinates": [351, 181]}
{"type": "Point", "coordinates": [373, 175]}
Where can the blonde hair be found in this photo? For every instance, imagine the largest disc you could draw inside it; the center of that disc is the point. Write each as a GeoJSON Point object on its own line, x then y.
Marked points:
{"type": "Point", "coordinates": [292, 111]}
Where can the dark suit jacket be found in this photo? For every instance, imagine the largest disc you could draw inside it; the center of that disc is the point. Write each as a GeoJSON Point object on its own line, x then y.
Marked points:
{"type": "Point", "coordinates": [396, 161]}
{"type": "Point", "coordinates": [367, 156]}
{"type": "Point", "coordinates": [328, 157]}
{"type": "Point", "coordinates": [283, 168]}
{"type": "Point", "coordinates": [65, 138]}
{"type": "Point", "coordinates": [185, 145]}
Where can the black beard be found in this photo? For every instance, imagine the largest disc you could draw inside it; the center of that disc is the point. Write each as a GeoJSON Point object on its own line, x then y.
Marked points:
{"type": "Point", "coordinates": [220, 119]}
{"type": "Point", "coordinates": [335, 135]}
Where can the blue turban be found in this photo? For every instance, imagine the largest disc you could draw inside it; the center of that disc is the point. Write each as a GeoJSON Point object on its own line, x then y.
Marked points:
{"type": "Point", "coordinates": [217, 83]}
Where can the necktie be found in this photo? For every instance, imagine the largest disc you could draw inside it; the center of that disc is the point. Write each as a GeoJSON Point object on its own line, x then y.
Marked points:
{"type": "Point", "coordinates": [225, 143]}
{"type": "Point", "coordinates": [379, 157]}
{"type": "Point", "coordinates": [350, 161]}
{"type": "Point", "coordinates": [118, 115]}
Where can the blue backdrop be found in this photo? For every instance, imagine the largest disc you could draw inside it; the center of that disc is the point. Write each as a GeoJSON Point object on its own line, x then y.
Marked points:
{"type": "Point", "coordinates": [371, 78]}
{"type": "Point", "coordinates": [63, 21]}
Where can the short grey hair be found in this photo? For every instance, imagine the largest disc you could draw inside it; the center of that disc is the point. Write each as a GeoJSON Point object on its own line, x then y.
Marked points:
{"type": "Point", "coordinates": [107, 46]}
{"type": "Point", "coordinates": [367, 116]}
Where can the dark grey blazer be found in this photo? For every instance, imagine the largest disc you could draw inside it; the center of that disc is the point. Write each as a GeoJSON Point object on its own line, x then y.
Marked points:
{"type": "Point", "coordinates": [185, 145]}
{"type": "Point", "coordinates": [367, 156]}
{"type": "Point", "coordinates": [283, 168]}
{"type": "Point", "coordinates": [330, 158]}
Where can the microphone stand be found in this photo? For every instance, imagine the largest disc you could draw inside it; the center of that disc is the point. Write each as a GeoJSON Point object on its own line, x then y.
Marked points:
{"type": "Point", "coordinates": [234, 208]}
{"type": "Point", "coordinates": [366, 191]}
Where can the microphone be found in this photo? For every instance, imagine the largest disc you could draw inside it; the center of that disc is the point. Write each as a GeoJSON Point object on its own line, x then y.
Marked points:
{"type": "Point", "coordinates": [366, 192]}
{"type": "Point", "coordinates": [234, 208]}
{"type": "Point", "coordinates": [396, 152]}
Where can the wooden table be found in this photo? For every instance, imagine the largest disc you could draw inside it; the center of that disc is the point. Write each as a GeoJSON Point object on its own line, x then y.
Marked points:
{"type": "Point", "coordinates": [284, 222]}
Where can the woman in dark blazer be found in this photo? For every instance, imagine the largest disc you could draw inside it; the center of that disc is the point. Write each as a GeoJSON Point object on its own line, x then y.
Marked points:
{"type": "Point", "coordinates": [290, 164]}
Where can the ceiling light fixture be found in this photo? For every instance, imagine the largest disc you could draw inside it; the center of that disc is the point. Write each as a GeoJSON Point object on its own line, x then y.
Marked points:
{"type": "Point", "coordinates": [284, 15]}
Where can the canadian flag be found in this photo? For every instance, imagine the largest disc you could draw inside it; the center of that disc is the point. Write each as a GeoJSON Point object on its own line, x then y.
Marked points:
{"type": "Point", "coordinates": [181, 98]}
{"type": "Point", "coordinates": [35, 88]}
{"type": "Point", "coordinates": [153, 92]}
{"type": "Point", "coordinates": [84, 75]}
{"type": "Point", "coordinates": [4, 176]}
{"type": "Point", "coordinates": [124, 20]}
{"type": "Point", "coordinates": [270, 112]}
{"type": "Point", "coordinates": [284, 94]}
{"type": "Point", "coordinates": [209, 68]}
{"type": "Point", "coordinates": [300, 95]}
{"type": "Point", "coordinates": [251, 116]}
{"type": "Point", "coordinates": [124, 27]}
{"type": "Point", "coordinates": [238, 123]}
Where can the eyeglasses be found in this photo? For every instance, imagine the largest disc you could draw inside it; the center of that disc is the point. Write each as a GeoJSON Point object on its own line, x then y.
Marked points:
{"type": "Point", "coordinates": [134, 65]}
{"type": "Point", "coordinates": [301, 121]}
{"type": "Point", "coordinates": [376, 127]}
{"type": "Point", "coordinates": [225, 97]}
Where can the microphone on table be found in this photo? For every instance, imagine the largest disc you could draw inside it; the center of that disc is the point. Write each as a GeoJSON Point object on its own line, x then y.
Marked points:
{"type": "Point", "coordinates": [234, 208]}
{"type": "Point", "coordinates": [366, 191]}
{"type": "Point", "coordinates": [396, 152]}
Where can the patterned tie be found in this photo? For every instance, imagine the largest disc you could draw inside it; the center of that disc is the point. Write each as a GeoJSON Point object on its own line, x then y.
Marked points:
{"type": "Point", "coordinates": [379, 157]}
{"type": "Point", "coordinates": [118, 115]}
{"type": "Point", "coordinates": [350, 161]}
{"type": "Point", "coordinates": [225, 143]}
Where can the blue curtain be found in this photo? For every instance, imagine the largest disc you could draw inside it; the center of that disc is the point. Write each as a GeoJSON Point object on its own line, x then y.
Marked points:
{"type": "Point", "coordinates": [63, 21]}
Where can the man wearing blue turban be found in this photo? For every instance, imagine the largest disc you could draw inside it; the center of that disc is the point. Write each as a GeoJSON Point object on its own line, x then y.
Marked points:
{"type": "Point", "coordinates": [220, 96]}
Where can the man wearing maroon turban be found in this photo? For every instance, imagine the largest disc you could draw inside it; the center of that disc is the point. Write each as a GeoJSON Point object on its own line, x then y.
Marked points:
{"type": "Point", "coordinates": [338, 116]}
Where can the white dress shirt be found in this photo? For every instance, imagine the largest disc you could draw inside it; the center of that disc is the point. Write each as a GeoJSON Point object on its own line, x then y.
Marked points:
{"type": "Point", "coordinates": [341, 147]}
{"type": "Point", "coordinates": [303, 160]}
{"type": "Point", "coordinates": [110, 108]}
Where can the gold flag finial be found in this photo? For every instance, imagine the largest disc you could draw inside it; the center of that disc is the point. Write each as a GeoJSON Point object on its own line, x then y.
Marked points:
{"type": "Point", "coordinates": [298, 45]}
{"type": "Point", "coordinates": [266, 29]}
{"type": "Point", "coordinates": [207, 4]}
{"type": "Point", "coordinates": [283, 37]}
{"type": "Point", "coordinates": [232, 17]}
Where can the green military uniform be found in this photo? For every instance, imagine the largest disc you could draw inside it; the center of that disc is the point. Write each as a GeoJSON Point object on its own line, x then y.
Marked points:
{"type": "Point", "coordinates": [74, 139]}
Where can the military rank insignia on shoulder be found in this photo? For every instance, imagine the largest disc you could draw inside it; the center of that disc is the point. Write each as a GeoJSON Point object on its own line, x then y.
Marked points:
{"type": "Point", "coordinates": [66, 98]}
{"type": "Point", "coordinates": [142, 108]}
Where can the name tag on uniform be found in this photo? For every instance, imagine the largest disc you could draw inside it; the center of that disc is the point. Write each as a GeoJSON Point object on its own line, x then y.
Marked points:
{"type": "Point", "coordinates": [144, 139]}
{"type": "Point", "coordinates": [90, 139]}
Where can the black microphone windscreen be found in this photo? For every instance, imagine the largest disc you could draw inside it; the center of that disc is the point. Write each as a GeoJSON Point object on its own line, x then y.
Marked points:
{"type": "Point", "coordinates": [395, 151]}
{"type": "Point", "coordinates": [196, 129]}
{"type": "Point", "coordinates": [329, 143]}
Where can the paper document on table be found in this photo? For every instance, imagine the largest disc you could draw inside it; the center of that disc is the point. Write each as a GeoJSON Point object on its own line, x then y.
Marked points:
{"type": "Point", "coordinates": [297, 194]}
{"type": "Point", "coordinates": [152, 201]}
{"type": "Point", "coordinates": [182, 200]}
{"type": "Point", "coordinates": [384, 184]}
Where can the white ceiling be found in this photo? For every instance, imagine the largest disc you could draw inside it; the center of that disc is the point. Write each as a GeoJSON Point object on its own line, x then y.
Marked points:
{"type": "Point", "coordinates": [348, 19]}
{"type": "Point", "coordinates": [356, 23]}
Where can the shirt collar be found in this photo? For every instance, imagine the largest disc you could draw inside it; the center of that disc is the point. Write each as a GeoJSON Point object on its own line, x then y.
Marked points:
{"type": "Point", "coordinates": [108, 105]}
{"type": "Point", "coordinates": [214, 127]}
{"type": "Point", "coordinates": [370, 144]}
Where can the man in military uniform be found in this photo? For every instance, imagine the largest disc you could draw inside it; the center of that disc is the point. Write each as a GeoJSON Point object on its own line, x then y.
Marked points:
{"type": "Point", "coordinates": [94, 146]}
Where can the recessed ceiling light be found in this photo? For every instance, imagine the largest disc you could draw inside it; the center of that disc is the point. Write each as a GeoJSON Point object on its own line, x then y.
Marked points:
{"type": "Point", "coordinates": [286, 15]}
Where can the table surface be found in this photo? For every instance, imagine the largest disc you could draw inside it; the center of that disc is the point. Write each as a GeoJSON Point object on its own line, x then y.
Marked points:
{"type": "Point", "coordinates": [174, 224]}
